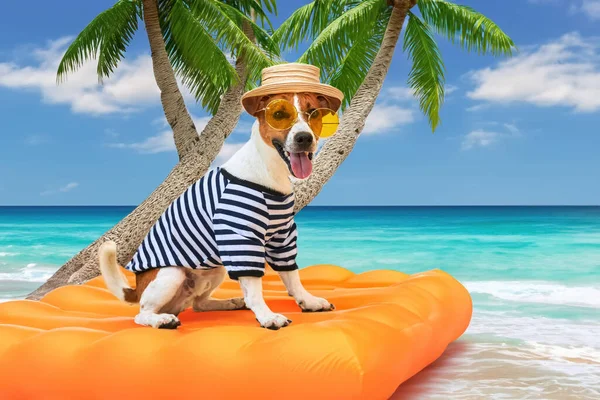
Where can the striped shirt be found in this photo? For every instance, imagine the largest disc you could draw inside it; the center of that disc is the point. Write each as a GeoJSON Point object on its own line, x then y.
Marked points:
{"type": "Point", "coordinates": [223, 220]}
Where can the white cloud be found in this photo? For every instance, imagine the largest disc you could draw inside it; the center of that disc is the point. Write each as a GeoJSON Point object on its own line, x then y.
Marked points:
{"type": "Point", "coordinates": [399, 93]}
{"type": "Point", "coordinates": [68, 187]}
{"type": "Point", "coordinates": [512, 128]}
{"type": "Point", "coordinates": [161, 142]}
{"type": "Point", "coordinates": [396, 107]}
{"type": "Point", "coordinates": [565, 73]}
{"type": "Point", "coordinates": [486, 138]}
{"type": "Point", "coordinates": [479, 138]}
{"type": "Point", "coordinates": [591, 8]}
{"type": "Point", "coordinates": [63, 189]}
{"type": "Point", "coordinates": [449, 89]}
{"type": "Point", "coordinates": [131, 87]}
{"type": "Point", "coordinates": [477, 107]}
{"type": "Point", "coordinates": [385, 117]}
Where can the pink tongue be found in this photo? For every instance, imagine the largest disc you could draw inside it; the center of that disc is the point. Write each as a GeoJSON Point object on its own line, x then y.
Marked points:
{"type": "Point", "coordinates": [301, 165]}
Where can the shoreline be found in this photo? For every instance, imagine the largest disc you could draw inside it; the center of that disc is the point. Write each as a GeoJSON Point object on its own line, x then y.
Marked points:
{"type": "Point", "coordinates": [472, 370]}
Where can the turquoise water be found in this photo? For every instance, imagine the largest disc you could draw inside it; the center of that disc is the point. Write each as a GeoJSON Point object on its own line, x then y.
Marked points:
{"type": "Point", "coordinates": [533, 272]}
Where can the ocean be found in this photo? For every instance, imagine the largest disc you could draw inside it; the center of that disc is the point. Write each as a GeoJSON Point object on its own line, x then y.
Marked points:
{"type": "Point", "coordinates": [533, 273]}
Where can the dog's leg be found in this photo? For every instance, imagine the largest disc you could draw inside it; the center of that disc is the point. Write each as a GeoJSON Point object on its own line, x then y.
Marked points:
{"type": "Point", "coordinates": [210, 304]}
{"type": "Point", "coordinates": [306, 301]}
{"type": "Point", "coordinates": [207, 282]}
{"type": "Point", "coordinates": [157, 296]}
{"type": "Point", "coordinates": [252, 288]}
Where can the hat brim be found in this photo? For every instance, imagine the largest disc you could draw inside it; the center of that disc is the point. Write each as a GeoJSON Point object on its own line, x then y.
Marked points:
{"type": "Point", "coordinates": [335, 95]}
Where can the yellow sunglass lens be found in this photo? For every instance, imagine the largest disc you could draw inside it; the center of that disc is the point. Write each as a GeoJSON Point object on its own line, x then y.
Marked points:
{"type": "Point", "coordinates": [281, 114]}
{"type": "Point", "coordinates": [324, 122]}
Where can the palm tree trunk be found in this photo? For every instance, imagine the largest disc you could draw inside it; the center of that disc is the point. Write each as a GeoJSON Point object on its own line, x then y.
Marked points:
{"type": "Point", "coordinates": [131, 230]}
{"type": "Point", "coordinates": [178, 117]}
{"type": "Point", "coordinates": [337, 148]}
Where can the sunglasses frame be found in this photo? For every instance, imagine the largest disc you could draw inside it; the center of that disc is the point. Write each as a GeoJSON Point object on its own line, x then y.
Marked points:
{"type": "Point", "coordinates": [297, 114]}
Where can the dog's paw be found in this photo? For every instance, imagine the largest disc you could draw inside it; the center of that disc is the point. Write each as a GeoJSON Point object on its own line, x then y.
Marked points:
{"type": "Point", "coordinates": [314, 304]}
{"type": "Point", "coordinates": [238, 303]}
{"type": "Point", "coordinates": [160, 321]}
{"type": "Point", "coordinates": [167, 321]}
{"type": "Point", "coordinates": [273, 321]}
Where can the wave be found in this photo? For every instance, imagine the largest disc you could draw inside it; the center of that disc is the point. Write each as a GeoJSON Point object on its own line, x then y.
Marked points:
{"type": "Point", "coordinates": [566, 352]}
{"type": "Point", "coordinates": [539, 292]}
{"type": "Point", "coordinates": [30, 273]}
{"type": "Point", "coordinates": [7, 254]}
{"type": "Point", "coordinates": [513, 326]}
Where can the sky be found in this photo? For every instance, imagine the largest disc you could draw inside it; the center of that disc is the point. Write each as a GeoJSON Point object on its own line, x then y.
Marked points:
{"type": "Point", "coordinates": [518, 131]}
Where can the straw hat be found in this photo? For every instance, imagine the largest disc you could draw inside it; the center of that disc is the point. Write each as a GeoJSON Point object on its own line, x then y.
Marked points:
{"type": "Point", "coordinates": [293, 78]}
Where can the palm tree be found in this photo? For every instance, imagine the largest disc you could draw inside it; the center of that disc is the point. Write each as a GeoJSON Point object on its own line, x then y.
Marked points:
{"type": "Point", "coordinates": [354, 42]}
{"type": "Point", "coordinates": [190, 38]}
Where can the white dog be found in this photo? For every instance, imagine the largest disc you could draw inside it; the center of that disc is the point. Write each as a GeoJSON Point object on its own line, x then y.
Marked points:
{"type": "Point", "coordinates": [230, 222]}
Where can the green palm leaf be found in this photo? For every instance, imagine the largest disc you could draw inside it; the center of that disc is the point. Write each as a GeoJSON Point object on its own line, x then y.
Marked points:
{"type": "Point", "coordinates": [331, 45]}
{"type": "Point", "coordinates": [472, 30]}
{"type": "Point", "coordinates": [258, 7]}
{"type": "Point", "coordinates": [257, 56]}
{"type": "Point", "coordinates": [195, 55]}
{"type": "Point", "coordinates": [426, 76]}
{"type": "Point", "coordinates": [105, 38]}
{"type": "Point", "coordinates": [307, 22]}
{"type": "Point", "coordinates": [355, 65]}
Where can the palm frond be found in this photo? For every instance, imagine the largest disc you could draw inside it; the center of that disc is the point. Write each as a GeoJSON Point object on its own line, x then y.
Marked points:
{"type": "Point", "coordinates": [195, 56]}
{"type": "Point", "coordinates": [426, 76]}
{"type": "Point", "coordinates": [330, 46]}
{"type": "Point", "coordinates": [263, 39]}
{"type": "Point", "coordinates": [353, 68]}
{"type": "Point", "coordinates": [257, 6]}
{"type": "Point", "coordinates": [256, 58]}
{"type": "Point", "coordinates": [307, 22]}
{"type": "Point", "coordinates": [224, 23]}
{"type": "Point", "coordinates": [105, 38]}
{"type": "Point", "coordinates": [462, 24]}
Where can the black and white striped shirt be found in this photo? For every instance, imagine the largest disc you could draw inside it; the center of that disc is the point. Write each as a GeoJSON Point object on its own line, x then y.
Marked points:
{"type": "Point", "coordinates": [223, 220]}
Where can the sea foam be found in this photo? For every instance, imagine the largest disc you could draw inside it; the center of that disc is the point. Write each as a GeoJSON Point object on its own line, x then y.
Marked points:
{"type": "Point", "coordinates": [31, 273]}
{"type": "Point", "coordinates": [539, 292]}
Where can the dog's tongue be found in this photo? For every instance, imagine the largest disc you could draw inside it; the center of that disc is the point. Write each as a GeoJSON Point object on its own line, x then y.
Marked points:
{"type": "Point", "coordinates": [301, 165]}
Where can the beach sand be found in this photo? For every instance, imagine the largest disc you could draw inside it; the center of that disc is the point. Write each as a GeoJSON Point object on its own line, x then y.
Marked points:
{"type": "Point", "coordinates": [471, 370]}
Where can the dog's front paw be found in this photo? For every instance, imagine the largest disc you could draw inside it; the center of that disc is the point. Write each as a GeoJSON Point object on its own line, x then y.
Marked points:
{"type": "Point", "coordinates": [160, 321]}
{"type": "Point", "coordinates": [273, 321]}
{"type": "Point", "coordinates": [312, 303]}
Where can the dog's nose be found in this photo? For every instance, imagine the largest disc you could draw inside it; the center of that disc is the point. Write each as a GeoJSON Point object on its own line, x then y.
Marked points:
{"type": "Point", "coordinates": [303, 138]}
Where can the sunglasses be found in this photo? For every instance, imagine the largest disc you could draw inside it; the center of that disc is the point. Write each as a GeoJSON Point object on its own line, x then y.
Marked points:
{"type": "Point", "coordinates": [281, 115]}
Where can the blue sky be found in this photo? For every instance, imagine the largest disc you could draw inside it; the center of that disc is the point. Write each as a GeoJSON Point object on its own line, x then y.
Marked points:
{"type": "Point", "coordinates": [518, 131]}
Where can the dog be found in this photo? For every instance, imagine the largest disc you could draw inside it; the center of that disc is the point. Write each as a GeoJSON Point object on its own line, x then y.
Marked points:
{"type": "Point", "coordinates": [249, 202]}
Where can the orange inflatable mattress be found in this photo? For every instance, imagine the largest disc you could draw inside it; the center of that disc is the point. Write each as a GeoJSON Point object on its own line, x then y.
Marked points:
{"type": "Point", "coordinates": [80, 342]}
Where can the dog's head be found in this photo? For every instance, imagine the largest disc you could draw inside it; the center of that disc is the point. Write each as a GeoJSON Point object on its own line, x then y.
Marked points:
{"type": "Point", "coordinates": [295, 145]}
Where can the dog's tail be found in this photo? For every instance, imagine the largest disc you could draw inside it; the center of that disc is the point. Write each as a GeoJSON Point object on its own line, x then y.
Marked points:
{"type": "Point", "coordinates": [111, 271]}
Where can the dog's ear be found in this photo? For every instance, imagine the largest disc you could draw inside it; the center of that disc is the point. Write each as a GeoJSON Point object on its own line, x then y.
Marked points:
{"type": "Point", "coordinates": [328, 102]}
{"type": "Point", "coordinates": [253, 104]}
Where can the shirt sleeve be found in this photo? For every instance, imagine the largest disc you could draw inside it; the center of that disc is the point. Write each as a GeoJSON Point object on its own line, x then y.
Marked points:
{"type": "Point", "coordinates": [240, 227]}
{"type": "Point", "coordinates": [281, 249]}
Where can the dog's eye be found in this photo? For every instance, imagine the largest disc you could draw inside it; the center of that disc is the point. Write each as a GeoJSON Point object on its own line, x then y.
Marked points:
{"type": "Point", "coordinates": [279, 115]}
